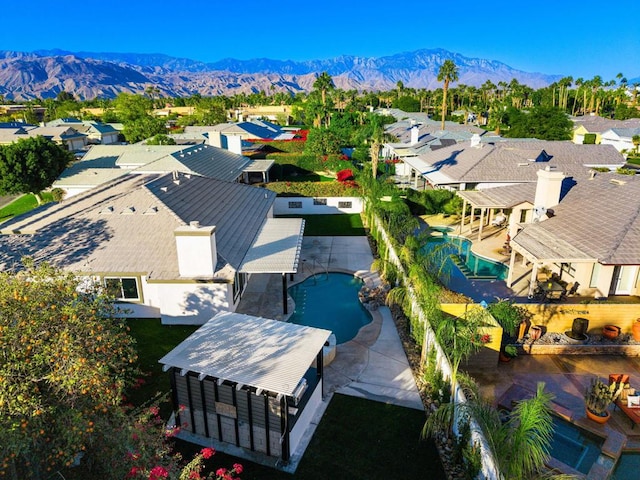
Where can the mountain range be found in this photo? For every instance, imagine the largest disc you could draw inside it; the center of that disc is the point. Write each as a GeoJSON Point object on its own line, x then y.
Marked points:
{"type": "Point", "coordinates": [45, 73]}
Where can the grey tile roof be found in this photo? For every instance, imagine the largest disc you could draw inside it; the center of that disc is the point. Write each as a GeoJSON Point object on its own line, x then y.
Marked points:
{"type": "Point", "coordinates": [509, 162]}
{"type": "Point", "coordinates": [205, 160]}
{"type": "Point", "coordinates": [127, 225]}
{"type": "Point", "coordinates": [252, 351]}
{"type": "Point", "coordinates": [600, 218]}
{"type": "Point", "coordinates": [595, 124]}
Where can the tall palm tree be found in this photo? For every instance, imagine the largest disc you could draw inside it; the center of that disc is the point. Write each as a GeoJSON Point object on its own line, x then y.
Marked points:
{"type": "Point", "coordinates": [324, 83]}
{"type": "Point", "coordinates": [448, 73]}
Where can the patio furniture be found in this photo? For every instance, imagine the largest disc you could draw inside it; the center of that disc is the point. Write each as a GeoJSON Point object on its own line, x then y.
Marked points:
{"type": "Point", "coordinates": [499, 220]}
{"type": "Point", "coordinates": [550, 290]}
{"type": "Point", "coordinates": [632, 412]}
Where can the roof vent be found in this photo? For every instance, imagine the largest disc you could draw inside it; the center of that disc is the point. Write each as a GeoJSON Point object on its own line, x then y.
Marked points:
{"type": "Point", "coordinates": [150, 211]}
{"type": "Point", "coordinates": [617, 181]}
{"type": "Point", "coordinates": [106, 211]}
{"type": "Point", "coordinates": [592, 174]}
{"type": "Point", "coordinates": [128, 211]}
{"type": "Point", "coordinates": [523, 164]}
{"type": "Point", "coordinates": [177, 182]}
{"type": "Point", "coordinates": [164, 189]}
{"type": "Point", "coordinates": [194, 224]}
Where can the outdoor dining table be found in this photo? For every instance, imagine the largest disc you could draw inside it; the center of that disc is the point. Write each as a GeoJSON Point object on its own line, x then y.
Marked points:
{"type": "Point", "coordinates": [551, 290]}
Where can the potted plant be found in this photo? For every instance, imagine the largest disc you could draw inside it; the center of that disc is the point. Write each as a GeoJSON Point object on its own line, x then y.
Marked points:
{"type": "Point", "coordinates": [508, 352]}
{"type": "Point", "coordinates": [597, 398]}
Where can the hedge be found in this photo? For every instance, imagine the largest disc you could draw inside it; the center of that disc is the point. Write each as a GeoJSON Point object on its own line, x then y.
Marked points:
{"type": "Point", "coordinates": [314, 189]}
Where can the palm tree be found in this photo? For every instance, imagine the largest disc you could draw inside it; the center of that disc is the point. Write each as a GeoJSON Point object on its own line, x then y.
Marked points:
{"type": "Point", "coordinates": [636, 141]}
{"type": "Point", "coordinates": [579, 83]}
{"type": "Point", "coordinates": [323, 82]}
{"type": "Point", "coordinates": [520, 446]}
{"type": "Point", "coordinates": [448, 73]}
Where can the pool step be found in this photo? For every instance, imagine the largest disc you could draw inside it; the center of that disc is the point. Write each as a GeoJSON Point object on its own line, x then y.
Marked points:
{"type": "Point", "coordinates": [459, 262]}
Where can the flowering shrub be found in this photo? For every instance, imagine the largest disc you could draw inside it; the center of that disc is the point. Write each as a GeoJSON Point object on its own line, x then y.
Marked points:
{"type": "Point", "coordinates": [344, 175]}
{"type": "Point", "coordinates": [314, 189]}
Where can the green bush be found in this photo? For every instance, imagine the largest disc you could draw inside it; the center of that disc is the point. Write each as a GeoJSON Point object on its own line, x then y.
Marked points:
{"type": "Point", "coordinates": [589, 139]}
{"type": "Point", "coordinates": [57, 194]}
{"type": "Point", "coordinates": [284, 146]}
{"type": "Point", "coordinates": [313, 189]}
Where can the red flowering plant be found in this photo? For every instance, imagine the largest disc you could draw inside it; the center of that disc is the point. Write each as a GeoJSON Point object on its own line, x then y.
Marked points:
{"type": "Point", "coordinates": [344, 175]}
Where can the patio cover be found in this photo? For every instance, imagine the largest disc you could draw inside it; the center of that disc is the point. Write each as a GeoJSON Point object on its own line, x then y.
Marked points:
{"type": "Point", "coordinates": [537, 244]}
{"type": "Point", "coordinates": [253, 351]}
{"type": "Point", "coordinates": [479, 199]}
{"type": "Point", "coordinates": [276, 248]}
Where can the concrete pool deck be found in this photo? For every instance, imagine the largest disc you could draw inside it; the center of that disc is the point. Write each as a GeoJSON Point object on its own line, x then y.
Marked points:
{"type": "Point", "coordinates": [373, 365]}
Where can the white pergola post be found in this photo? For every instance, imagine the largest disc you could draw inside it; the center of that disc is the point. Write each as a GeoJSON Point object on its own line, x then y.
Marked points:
{"type": "Point", "coordinates": [482, 210]}
{"type": "Point", "coordinates": [512, 263]}
{"type": "Point", "coordinates": [464, 214]}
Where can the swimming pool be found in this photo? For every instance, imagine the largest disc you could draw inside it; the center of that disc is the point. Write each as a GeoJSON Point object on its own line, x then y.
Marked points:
{"type": "Point", "coordinates": [574, 446]}
{"type": "Point", "coordinates": [627, 467]}
{"type": "Point", "coordinates": [456, 251]}
{"type": "Point", "coordinates": [330, 301]}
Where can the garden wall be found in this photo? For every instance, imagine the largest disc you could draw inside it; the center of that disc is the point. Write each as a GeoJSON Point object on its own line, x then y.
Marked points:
{"type": "Point", "coordinates": [316, 205]}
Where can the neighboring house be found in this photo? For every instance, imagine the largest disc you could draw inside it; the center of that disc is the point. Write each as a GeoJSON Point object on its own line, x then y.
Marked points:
{"type": "Point", "coordinates": [476, 165]}
{"type": "Point", "coordinates": [585, 229]}
{"type": "Point", "coordinates": [171, 246]}
{"type": "Point", "coordinates": [67, 137]}
{"type": "Point", "coordinates": [597, 126]}
{"type": "Point", "coordinates": [97, 133]}
{"type": "Point", "coordinates": [274, 113]}
{"type": "Point", "coordinates": [252, 130]}
{"type": "Point", "coordinates": [248, 382]}
{"type": "Point", "coordinates": [621, 138]}
{"type": "Point", "coordinates": [107, 162]}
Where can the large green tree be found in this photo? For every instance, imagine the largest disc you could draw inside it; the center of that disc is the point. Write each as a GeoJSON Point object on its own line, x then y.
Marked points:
{"type": "Point", "coordinates": [64, 364]}
{"type": "Point", "coordinates": [31, 165]}
{"type": "Point", "coordinates": [447, 73]}
{"type": "Point", "coordinates": [544, 123]}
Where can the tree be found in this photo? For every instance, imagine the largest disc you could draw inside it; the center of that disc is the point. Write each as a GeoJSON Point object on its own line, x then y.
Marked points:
{"type": "Point", "coordinates": [447, 73]}
{"type": "Point", "coordinates": [322, 141]}
{"type": "Point", "coordinates": [544, 123]}
{"type": "Point", "coordinates": [31, 165]}
{"type": "Point", "coordinates": [65, 362]}
{"type": "Point", "coordinates": [161, 139]}
{"type": "Point", "coordinates": [323, 84]}
{"type": "Point", "coordinates": [142, 128]}
{"type": "Point", "coordinates": [636, 141]}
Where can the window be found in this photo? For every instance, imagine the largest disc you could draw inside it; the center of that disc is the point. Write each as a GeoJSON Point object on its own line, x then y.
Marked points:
{"type": "Point", "coordinates": [319, 201]}
{"type": "Point", "coordinates": [523, 216]}
{"type": "Point", "coordinates": [595, 273]}
{"type": "Point", "coordinates": [345, 204]}
{"type": "Point", "coordinates": [239, 282]}
{"type": "Point", "coordinates": [125, 288]}
{"type": "Point", "coordinates": [295, 204]}
{"type": "Point", "coordinates": [568, 269]}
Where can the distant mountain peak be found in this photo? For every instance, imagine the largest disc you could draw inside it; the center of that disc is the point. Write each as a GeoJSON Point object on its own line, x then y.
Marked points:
{"type": "Point", "coordinates": [44, 73]}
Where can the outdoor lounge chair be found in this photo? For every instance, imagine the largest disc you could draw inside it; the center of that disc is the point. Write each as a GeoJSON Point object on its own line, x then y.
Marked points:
{"type": "Point", "coordinates": [499, 221]}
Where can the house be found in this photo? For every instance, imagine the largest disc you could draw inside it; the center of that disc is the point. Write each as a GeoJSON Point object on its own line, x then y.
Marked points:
{"type": "Point", "coordinates": [96, 132]}
{"type": "Point", "coordinates": [476, 165]}
{"type": "Point", "coordinates": [248, 382]}
{"type": "Point", "coordinates": [107, 162]}
{"type": "Point", "coordinates": [592, 124]}
{"type": "Point", "coordinates": [171, 246]}
{"type": "Point", "coordinates": [621, 138]}
{"type": "Point", "coordinates": [250, 130]}
{"type": "Point", "coordinates": [585, 229]}
{"type": "Point", "coordinates": [67, 137]}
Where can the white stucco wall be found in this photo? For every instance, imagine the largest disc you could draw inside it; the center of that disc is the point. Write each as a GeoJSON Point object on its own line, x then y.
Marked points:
{"type": "Point", "coordinates": [306, 416]}
{"type": "Point", "coordinates": [281, 205]}
{"type": "Point", "coordinates": [187, 303]}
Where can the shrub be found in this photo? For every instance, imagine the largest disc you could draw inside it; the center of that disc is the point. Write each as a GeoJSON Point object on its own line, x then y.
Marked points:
{"type": "Point", "coordinates": [344, 175]}
{"type": "Point", "coordinates": [57, 194]}
{"type": "Point", "coordinates": [314, 189]}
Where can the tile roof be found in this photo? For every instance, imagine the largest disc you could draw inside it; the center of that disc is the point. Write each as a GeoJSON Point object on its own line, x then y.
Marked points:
{"type": "Point", "coordinates": [127, 225]}
{"type": "Point", "coordinates": [252, 351]}
{"type": "Point", "coordinates": [597, 219]}
{"type": "Point", "coordinates": [508, 162]}
{"type": "Point", "coordinates": [205, 160]}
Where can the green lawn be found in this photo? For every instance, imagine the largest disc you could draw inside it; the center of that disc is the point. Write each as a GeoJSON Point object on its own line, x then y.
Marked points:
{"type": "Point", "coordinates": [356, 439]}
{"type": "Point", "coordinates": [22, 205]}
{"type": "Point", "coordinates": [154, 340]}
{"type": "Point", "coordinates": [332, 225]}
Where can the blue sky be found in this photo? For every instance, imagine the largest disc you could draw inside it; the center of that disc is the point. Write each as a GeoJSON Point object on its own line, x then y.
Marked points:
{"type": "Point", "coordinates": [581, 39]}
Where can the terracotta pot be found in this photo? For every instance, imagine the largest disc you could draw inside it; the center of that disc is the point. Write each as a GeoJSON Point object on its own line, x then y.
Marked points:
{"type": "Point", "coordinates": [535, 332]}
{"type": "Point", "coordinates": [598, 418]}
{"type": "Point", "coordinates": [610, 331]}
{"type": "Point", "coordinates": [636, 330]}
{"type": "Point", "coordinates": [504, 358]}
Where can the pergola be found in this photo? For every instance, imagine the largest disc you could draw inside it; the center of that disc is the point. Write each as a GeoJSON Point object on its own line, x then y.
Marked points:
{"type": "Point", "coordinates": [487, 205]}
{"type": "Point", "coordinates": [276, 249]}
{"type": "Point", "coordinates": [538, 246]}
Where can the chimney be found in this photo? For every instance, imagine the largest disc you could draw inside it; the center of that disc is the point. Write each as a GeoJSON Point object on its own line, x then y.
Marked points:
{"type": "Point", "coordinates": [414, 135]}
{"type": "Point", "coordinates": [548, 188]}
{"type": "Point", "coordinates": [234, 144]}
{"type": "Point", "coordinates": [197, 253]}
{"type": "Point", "coordinates": [215, 139]}
{"type": "Point", "coordinates": [475, 140]}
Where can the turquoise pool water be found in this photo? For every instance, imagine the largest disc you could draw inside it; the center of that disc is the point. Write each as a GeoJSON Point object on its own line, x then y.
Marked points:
{"type": "Point", "coordinates": [444, 246]}
{"type": "Point", "coordinates": [573, 446]}
{"type": "Point", "coordinates": [628, 466]}
{"type": "Point", "coordinates": [330, 301]}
